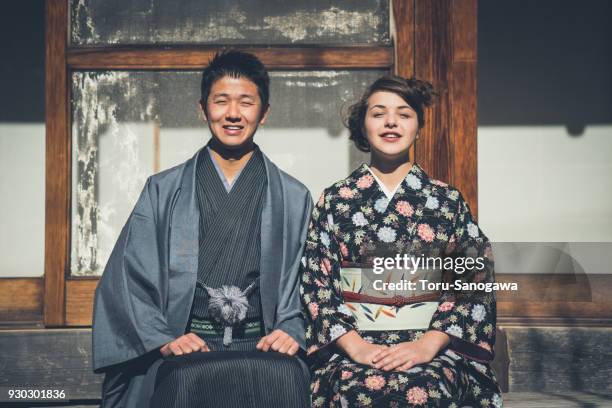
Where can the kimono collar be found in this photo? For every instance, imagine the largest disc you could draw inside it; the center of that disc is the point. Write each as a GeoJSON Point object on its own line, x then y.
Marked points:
{"type": "Point", "coordinates": [416, 175]}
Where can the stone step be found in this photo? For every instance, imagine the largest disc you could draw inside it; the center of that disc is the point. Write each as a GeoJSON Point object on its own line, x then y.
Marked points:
{"type": "Point", "coordinates": [554, 359]}
{"type": "Point", "coordinates": [556, 400]}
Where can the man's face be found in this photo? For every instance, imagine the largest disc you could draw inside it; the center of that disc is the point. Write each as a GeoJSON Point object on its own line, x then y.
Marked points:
{"type": "Point", "coordinates": [234, 111]}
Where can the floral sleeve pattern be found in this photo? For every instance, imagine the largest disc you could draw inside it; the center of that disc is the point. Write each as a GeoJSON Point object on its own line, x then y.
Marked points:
{"type": "Point", "coordinates": [328, 316]}
{"type": "Point", "coordinates": [469, 316]}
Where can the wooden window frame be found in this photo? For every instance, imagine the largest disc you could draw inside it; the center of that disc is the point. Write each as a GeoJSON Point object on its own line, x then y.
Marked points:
{"type": "Point", "coordinates": [433, 40]}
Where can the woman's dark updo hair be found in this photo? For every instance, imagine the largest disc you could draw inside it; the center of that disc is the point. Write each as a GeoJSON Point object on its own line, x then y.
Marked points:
{"type": "Point", "coordinates": [418, 94]}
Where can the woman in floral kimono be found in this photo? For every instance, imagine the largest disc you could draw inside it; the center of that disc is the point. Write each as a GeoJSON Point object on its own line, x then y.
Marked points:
{"type": "Point", "coordinates": [375, 352]}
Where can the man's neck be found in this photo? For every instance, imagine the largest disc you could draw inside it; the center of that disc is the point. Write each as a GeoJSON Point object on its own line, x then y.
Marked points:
{"type": "Point", "coordinates": [231, 161]}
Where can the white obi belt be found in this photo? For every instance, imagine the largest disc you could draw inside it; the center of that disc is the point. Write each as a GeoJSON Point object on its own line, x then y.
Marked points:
{"type": "Point", "coordinates": [387, 301]}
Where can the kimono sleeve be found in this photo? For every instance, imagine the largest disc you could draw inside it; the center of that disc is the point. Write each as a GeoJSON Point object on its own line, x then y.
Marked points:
{"type": "Point", "coordinates": [466, 314]}
{"type": "Point", "coordinates": [328, 317]}
{"type": "Point", "coordinates": [128, 319]}
{"type": "Point", "coordinates": [289, 310]}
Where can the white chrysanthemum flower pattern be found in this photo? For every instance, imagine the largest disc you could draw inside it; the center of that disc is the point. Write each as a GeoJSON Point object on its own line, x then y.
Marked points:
{"type": "Point", "coordinates": [413, 181]}
{"type": "Point", "coordinates": [479, 312]}
{"type": "Point", "coordinates": [344, 309]}
{"type": "Point", "coordinates": [432, 203]}
{"type": "Point", "coordinates": [455, 330]}
{"type": "Point", "coordinates": [381, 204]}
{"type": "Point", "coordinates": [387, 234]}
{"type": "Point", "coordinates": [472, 230]}
{"type": "Point", "coordinates": [497, 401]}
{"type": "Point", "coordinates": [325, 239]}
{"type": "Point", "coordinates": [336, 331]}
{"type": "Point", "coordinates": [359, 219]}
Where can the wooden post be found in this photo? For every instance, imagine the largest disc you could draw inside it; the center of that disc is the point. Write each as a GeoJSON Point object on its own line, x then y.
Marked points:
{"type": "Point", "coordinates": [445, 54]}
{"type": "Point", "coordinates": [57, 167]}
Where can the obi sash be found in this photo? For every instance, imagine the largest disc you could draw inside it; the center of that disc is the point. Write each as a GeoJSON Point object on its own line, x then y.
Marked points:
{"type": "Point", "coordinates": [383, 302]}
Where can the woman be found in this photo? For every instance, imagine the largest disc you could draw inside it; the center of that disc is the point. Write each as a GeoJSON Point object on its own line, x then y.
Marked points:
{"type": "Point", "coordinates": [392, 204]}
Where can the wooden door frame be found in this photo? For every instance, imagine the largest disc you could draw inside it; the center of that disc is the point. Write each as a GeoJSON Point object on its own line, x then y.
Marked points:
{"type": "Point", "coordinates": [433, 40]}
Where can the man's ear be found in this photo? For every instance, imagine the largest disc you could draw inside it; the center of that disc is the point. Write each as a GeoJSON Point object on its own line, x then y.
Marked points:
{"type": "Point", "coordinates": [202, 110]}
{"type": "Point", "coordinates": [264, 116]}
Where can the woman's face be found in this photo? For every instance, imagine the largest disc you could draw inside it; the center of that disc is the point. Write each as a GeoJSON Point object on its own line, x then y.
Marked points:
{"type": "Point", "coordinates": [391, 125]}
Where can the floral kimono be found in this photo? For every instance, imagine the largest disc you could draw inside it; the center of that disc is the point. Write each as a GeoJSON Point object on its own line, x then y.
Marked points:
{"type": "Point", "coordinates": [358, 213]}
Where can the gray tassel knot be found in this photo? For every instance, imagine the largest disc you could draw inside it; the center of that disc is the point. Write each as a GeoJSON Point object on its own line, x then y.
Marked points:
{"type": "Point", "coordinates": [228, 305]}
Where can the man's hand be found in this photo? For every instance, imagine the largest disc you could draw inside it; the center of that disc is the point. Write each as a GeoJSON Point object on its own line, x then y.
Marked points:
{"type": "Point", "coordinates": [279, 341]}
{"type": "Point", "coordinates": [403, 356]}
{"type": "Point", "coordinates": [187, 343]}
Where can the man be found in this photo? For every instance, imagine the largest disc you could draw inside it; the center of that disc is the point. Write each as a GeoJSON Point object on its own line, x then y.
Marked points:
{"type": "Point", "coordinates": [208, 260]}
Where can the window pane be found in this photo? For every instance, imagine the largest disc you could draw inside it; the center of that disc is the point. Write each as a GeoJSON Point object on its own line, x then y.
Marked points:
{"type": "Point", "coordinates": [22, 215]}
{"type": "Point", "coordinates": [129, 125]}
{"type": "Point", "coordinates": [111, 22]}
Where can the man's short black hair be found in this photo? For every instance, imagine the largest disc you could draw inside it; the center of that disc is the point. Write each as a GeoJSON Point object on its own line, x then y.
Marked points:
{"type": "Point", "coordinates": [236, 64]}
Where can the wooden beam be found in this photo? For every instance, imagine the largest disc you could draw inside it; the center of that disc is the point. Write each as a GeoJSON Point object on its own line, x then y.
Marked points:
{"type": "Point", "coordinates": [541, 299]}
{"type": "Point", "coordinates": [79, 301]}
{"type": "Point", "coordinates": [21, 300]}
{"type": "Point", "coordinates": [178, 57]}
{"type": "Point", "coordinates": [57, 173]}
{"type": "Point", "coordinates": [570, 298]}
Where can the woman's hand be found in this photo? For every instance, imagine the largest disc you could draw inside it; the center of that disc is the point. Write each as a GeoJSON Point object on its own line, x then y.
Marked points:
{"type": "Point", "coordinates": [187, 343]}
{"type": "Point", "coordinates": [403, 356]}
{"type": "Point", "coordinates": [367, 353]}
{"type": "Point", "coordinates": [359, 350]}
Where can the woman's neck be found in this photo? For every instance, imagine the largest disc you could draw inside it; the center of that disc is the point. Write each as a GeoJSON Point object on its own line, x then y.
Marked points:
{"type": "Point", "coordinates": [390, 172]}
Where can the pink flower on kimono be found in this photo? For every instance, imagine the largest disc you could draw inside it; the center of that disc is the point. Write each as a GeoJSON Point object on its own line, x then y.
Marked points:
{"type": "Point", "coordinates": [345, 375]}
{"type": "Point", "coordinates": [485, 345]}
{"type": "Point", "coordinates": [446, 306]}
{"type": "Point", "coordinates": [416, 396]}
{"type": "Point", "coordinates": [326, 266]}
{"type": "Point", "coordinates": [346, 193]}
{"type": "Point", "coordinates": [313, 308]}
{"type": "Point", "coordinates": [365, 181]}
{"type": "Point", "coordinates": [375, 382]}
{"type": "Point", "coordinates": [321, 200]}
{"type": "Point", "coordinates": [315, 387]}
{"type": "Point", "coordinates": [404, 208]}
{"type": "Point", "coordinates": [311, 349]}
{"type": "Point", "coordinates": [343, 249]}
{"type": "Point", "coordinates": [439, 183]}
{"type": "Point", "coordinates": [426, 233]}
{"type": "Point", "coordinates": [448, 373]}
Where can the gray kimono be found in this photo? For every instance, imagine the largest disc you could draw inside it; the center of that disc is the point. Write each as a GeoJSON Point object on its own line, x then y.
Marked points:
{"type": "Point", "coordinates": [144, 297]}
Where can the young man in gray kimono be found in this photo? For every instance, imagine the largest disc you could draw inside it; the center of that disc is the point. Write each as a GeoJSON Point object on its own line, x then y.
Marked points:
{"type": "Point", "coordinates": [208, 261]}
